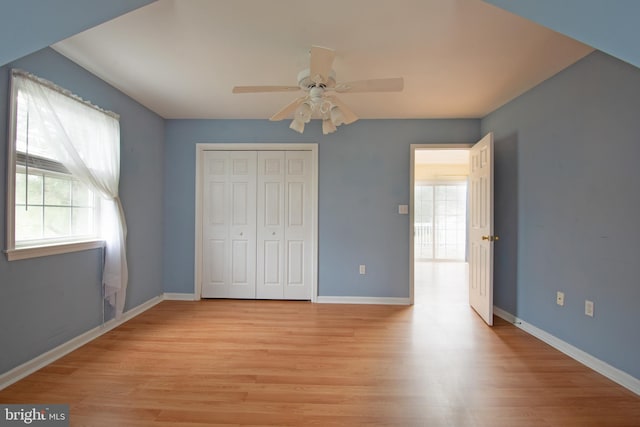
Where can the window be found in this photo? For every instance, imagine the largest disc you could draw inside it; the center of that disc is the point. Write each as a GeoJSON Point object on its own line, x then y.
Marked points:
{"type": "Point", "coordinates": [63, 177]}
{"type": "Point", "coordinates": [51, 205]}
{"type": "Point", "coordinates": [49, 209]}
{"type": "Point", "coordinates": [440, 220]}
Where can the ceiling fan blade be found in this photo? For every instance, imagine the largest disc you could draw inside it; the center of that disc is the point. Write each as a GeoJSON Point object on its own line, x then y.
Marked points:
{"type": "Point", "coordinates": [374, 85]}
{"type": "Point", "coordinates": [349, 116]}
{"type": "Point", "coordinates": [288, 110]}
{"type": "Point", "coordinates": [321, 63]}
{"type": "Point", "coordinates": [258, 89]}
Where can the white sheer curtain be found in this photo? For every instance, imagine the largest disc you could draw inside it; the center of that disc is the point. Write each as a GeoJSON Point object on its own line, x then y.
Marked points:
{"type": "Point", "coordinates": [88, 145]}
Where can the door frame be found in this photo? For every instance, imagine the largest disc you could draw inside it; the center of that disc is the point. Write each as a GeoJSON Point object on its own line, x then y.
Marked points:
{"type": "Point", "coordinates": [201, 148]}
{"type": "Point", "coordinates": [412, 184]}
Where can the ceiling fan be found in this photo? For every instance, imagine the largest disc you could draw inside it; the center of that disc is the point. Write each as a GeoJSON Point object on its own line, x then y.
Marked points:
{"type": "Point", "coordinates": [318, 81]}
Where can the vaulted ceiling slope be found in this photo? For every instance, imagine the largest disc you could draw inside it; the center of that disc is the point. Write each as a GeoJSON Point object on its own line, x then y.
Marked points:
{"type": "Point", "coordinates": [459, 58]}
{"type": "Point", "coordinates": [37, 17]}
{"type": "Point", "coordinates": [610, 26]}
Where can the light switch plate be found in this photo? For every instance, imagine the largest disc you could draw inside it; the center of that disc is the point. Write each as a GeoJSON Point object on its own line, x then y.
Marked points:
{"type": "Point", "coordinates": [403, 209]}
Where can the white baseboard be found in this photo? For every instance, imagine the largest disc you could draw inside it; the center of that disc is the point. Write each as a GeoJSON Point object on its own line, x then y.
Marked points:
{"type": "Point", "coordinates": [505, 315]}
{"type": "Point", "coordinates": [172, 296]}
{"type": "Point", "coordinates": [614, 374]}
{"type": "Point", "coordinates": [362, 300]}
{"type": "Point", "coordinates": [54, 354]}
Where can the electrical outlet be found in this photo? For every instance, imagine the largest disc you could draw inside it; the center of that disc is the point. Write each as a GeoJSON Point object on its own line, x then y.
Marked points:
{"type": "Point", "coordinates": [588, 308]}
{"type": "Point", "coordinates": [363, 269]}
{"type": "Point", "coordinates": [560, 298]}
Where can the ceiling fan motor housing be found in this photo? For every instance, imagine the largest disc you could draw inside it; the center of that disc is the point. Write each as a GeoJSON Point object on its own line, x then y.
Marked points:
{"type": "Point", "coordinates": [306, 82]}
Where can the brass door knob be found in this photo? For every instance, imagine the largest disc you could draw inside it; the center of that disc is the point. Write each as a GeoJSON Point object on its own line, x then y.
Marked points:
{"type": "Point", "coordinates": [490, 238]}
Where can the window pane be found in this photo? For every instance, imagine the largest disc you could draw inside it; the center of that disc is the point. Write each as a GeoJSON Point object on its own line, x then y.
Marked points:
{"type": "Point", "coordinates": [57, 221]}
{"type": "Point", "coordinates": [38, 142]}
{"type": "Point", "coordinates": [28, 222]}
{"type": "Point", "coordinates": [82, 221]}
{"type": "Point", "coordinates": [57, 191]}
{"type": "Point", "coordinates": [35, 189]}
{"type": "Point", "coordinates": [82, 196]}
{"type": "Point", "coordinates": [20, 188]}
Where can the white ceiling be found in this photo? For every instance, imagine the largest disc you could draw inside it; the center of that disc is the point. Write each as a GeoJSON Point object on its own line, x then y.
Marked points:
{"type": "Point", "coordinates": [459, 58]}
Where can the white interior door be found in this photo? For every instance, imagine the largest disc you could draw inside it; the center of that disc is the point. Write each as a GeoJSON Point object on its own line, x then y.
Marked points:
{"type": "Point", "coordinates": [481, 237]}
{"type": "Point", "coordinates": [271, 215]}
{"type": "Point", "coordinates": [298, 231]}
{"type": "Point", "coordinates": [229, 224]}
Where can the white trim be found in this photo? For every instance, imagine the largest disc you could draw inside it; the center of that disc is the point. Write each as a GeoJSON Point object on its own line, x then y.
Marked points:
{"type": "Point", "coordinates": [363, 300]}
{"type": "Point", "coordinates": [39, 362]}
{"type": "Point", "coordinates": [412, 184]}
{"type": "Point", "coordinates": [172, 296]}
{"type": "Point", "coordinates": [11, 171]}
{"type": "Point", "coordinates": [614, 374]}
{"type": "Point", "coordinates": [201, 148]}
{"type": "Point", "coordinates": [505, 315]}
{"type": "Point", "coordinates": [45, 250]}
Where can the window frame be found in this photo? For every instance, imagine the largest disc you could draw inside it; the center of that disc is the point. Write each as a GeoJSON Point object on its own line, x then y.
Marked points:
{"type": "Point", "coordinates": [42, 247]}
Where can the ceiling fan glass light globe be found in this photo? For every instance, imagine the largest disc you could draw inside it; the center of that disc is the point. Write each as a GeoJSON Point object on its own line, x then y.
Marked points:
{"type": "Point", "coordinates": [303, 112]}
{"type": "Point", "coordinates": [328, 127]}
{"type": "Point", "coordinates": [325, 107]}
{"type": "Point", "coordinates": [297, 125]}
{"type": "Point", "coordinates": [337, 117]}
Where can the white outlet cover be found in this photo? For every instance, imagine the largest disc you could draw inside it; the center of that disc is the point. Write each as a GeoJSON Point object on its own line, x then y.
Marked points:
{"type": "Point", "coordinates": [588, 308]}
{"type": "Point", "coordinates": [403, 209]}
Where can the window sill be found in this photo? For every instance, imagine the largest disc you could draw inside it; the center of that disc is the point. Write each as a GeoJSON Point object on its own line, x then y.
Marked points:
{"type": "Point", "coordinates": [46, 250]}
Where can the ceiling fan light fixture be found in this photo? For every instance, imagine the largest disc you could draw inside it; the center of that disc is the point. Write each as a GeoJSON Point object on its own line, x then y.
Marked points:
{"type": "Point", "coordinates": [297, 125]}
{"type": "Point", "coordinates": [328, 127]}
{"type": "Point", "coordinates": [316, 81]}
{"type": "Point", "coordinates": [337, 116]}
{"type": "Point", "coordinates": [303, 113]}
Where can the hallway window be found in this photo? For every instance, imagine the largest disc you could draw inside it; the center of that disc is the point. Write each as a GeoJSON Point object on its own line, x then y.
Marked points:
{"type": "Point", "coordinates": [441, 221]}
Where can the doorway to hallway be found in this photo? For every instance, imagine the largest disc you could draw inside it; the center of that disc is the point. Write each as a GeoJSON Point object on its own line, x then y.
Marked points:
{"type": "Point", "coordinates": [439, 217]}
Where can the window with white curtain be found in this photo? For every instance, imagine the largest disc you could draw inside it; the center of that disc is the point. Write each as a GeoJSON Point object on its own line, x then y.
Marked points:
{"type": "Point", "coordinates": [51, 205]}
{"type": "Point", "coordinates": [63, 178]}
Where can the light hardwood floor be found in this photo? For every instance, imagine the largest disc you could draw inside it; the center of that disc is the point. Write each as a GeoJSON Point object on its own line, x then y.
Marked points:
{"type": "Point", "coordinates": [229, 363]}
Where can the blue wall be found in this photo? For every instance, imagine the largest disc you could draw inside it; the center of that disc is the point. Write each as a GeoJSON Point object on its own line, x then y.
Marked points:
{"type": "Point", "coordinates": [47, 301]}
{"type": "Point", "coordinates": [71, 17]}
{"type": "Point", "coordinates": [363, 177]}
{"type": "Point", "coordinates": [574, 142]}
{"type": "Point", "coordinates": [610, 26]}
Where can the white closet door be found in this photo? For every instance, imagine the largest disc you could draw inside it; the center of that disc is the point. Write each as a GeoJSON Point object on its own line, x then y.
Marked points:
{"type": "Point", "coordinates": [271, 208]}
{"type": "Point", "coordinates": [298, 231]}
{"type": "Point", "coordinates": [229, 224]}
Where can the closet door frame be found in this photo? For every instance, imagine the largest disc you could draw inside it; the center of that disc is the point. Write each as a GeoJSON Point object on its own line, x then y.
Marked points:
{"type": "Point", "coordinates": [201, 148]}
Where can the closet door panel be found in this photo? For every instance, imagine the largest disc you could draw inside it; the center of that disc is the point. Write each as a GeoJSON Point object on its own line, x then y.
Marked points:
{"type": "Point", "coordinates": [242, 213]}
{"type": "Point", "coordinates": [298, 227]}
{"type": "Point", "coordinates": [229, 225]}
{"type": "Point", "coordinates": [270, 198]}
{"type": "Point", "coordinates": [215, 276]}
